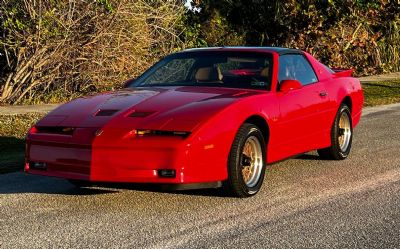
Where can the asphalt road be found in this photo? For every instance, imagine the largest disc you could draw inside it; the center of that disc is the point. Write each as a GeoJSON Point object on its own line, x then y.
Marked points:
{"type": "Point", "coordinates": [305, 203]}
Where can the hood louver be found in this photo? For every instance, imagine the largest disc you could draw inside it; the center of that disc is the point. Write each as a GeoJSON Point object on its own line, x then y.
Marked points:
{"type": "Point", "coordinates": [103, 113]}
{"type": "Point", "coordinates": [140, 114]}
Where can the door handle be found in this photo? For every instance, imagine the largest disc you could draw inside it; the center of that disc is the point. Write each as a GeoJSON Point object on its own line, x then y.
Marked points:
{"type": "Point", "coordinates": [323, 94]}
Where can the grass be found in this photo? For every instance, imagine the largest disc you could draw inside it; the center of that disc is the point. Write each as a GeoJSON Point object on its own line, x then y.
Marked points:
{"type": "Point", "coordinates": [12, 154]}
{"type": "Point", "coordinates": [381, 93]}
{"type": "Point", "coordinates": [53, 97]}
{"type": "Point", "coordinates": [12, 143]}
{"type": "Point", "coordinates": [14, 127]}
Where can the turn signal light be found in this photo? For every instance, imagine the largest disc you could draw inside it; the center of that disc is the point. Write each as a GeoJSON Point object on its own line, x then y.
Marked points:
{"type": "Point", "coordinates": [143, 132]}
{"type": "Point", "coordinates": [161, 133]}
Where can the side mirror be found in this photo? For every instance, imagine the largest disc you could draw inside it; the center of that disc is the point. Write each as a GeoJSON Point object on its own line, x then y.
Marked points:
{"type": "Point", "coordinates": [129, 82]}
{"type": "Point", "coordinates": [289, 85]}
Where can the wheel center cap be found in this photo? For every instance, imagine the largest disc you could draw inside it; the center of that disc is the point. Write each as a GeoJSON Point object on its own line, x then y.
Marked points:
{"type": "Point", "coordinates": [246, 161]}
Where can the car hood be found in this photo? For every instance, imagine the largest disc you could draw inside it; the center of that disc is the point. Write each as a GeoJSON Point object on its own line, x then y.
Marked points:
{"type": "Point", "coordinates": [167, 108]}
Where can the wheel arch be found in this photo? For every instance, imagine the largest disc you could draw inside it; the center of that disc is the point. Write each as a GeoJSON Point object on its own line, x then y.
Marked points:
{"type": "Point", "coordinates": [348, 101]}
{"type": "Point", "coordinates": [261, 123]}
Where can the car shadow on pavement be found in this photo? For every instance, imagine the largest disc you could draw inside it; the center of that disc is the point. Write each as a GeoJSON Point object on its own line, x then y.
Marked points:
{"type": "Point", "coordinates": [309, 157]}
{"type": "Point", "coordinates": [164, 189]}
{"type": "Point", "coordinates": [158, 188]}
{"type": "Point", "coordinates": [20, 183]}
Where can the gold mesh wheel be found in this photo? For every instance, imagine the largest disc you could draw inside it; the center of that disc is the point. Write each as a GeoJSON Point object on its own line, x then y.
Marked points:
{"type": "Point", "coordinates": [344, 131]}
{"type": "Point", "coordinates": [251, 161]}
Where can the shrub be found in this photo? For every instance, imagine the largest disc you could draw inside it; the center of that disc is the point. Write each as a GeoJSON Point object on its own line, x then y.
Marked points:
{"type": "Point", "coordinates": [81, 46]}
{"type": "Point", "coordinates": [361, 34]}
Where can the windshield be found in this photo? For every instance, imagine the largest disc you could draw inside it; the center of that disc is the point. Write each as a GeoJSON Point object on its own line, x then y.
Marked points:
{"type": "Point", "coordinates": [241, 69]}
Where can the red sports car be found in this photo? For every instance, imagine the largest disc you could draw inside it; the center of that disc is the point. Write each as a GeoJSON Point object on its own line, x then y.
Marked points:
{"type": "Point", "coordinates": [207, 117]}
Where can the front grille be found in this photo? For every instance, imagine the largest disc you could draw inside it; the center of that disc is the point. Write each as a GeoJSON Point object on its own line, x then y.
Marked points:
{"type": "Point", "coordinates": [55, 130]}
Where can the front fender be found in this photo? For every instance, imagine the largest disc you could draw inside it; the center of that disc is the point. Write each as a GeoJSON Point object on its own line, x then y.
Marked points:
{"type": "Point", "coordinates": [209, 145]}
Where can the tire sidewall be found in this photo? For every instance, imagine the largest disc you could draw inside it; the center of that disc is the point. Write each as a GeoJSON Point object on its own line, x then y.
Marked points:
{"type": "Point", "coordinates": [250, 131]}
{"type": "Point", "coordinates": [342, 154]}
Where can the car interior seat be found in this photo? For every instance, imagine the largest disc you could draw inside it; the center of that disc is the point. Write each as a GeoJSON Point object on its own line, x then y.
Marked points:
{"type": "Point", "coordinates": [265, 72]}
{"type": "Point", "coordinates": [209, 75]}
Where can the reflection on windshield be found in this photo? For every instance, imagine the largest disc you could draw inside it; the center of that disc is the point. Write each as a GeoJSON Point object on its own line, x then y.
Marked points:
{"type": "Point", "coordinates": [211, 68]}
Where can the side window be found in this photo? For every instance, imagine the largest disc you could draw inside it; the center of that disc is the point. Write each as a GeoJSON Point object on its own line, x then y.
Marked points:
{"type": "Point", "coordinates": [296, 66]}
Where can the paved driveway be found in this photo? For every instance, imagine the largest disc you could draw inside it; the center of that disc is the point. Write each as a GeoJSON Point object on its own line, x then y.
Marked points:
{"type": "Point", "coordinates": [305, 203]}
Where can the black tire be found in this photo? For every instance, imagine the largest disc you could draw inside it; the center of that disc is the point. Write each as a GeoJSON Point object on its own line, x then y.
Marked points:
{"type": "Point", "coordinates": [80, 183]}
{"type": "Point", "coordinates": [336, 151]}
{"type": "Point", "coordinates": [235, 185]}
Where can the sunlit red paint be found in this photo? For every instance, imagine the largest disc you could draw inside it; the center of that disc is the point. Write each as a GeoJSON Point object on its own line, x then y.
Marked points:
{"type": "Point", "coordinates": [112, 148]}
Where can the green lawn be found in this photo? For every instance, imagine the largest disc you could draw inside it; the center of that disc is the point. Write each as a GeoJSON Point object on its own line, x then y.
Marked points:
{"type": "Point", "coordinates": [12, 132]}
{"type": "Point", "coordinates": [11, 154]}
{"type": "Point", "coordinates": [14, 127]}
{"type": "Point", "coordinates": [381, 93]}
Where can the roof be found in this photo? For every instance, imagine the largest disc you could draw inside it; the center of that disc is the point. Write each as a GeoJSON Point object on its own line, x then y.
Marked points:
{"type": "Point", "coordinates": [279, 50]}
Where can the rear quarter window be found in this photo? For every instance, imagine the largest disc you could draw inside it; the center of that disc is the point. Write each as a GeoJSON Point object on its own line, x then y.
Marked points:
{"type": "Point", "coordinates": [296, 67]}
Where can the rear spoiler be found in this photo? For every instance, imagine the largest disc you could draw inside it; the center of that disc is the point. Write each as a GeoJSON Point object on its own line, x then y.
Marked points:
{"type": "Point", "coordinates": [341, 72]}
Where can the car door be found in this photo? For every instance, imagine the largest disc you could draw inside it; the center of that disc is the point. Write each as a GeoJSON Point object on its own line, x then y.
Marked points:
{"type": "Point", "coordinates": [301, 118]}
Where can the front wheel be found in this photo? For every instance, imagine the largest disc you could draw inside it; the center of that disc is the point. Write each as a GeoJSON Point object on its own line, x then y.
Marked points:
{"type": "Point", "coordinates": [341, 136]}
{"type": "Point", "coordinates": [246, 162]}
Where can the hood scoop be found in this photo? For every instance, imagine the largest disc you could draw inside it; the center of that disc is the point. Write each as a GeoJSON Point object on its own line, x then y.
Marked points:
{"type": "Point", "coordinates": [105, 113]}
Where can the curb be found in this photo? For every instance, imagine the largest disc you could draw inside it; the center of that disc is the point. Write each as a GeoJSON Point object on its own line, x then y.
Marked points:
{"type": "Point", "coordinates": [24, 109]}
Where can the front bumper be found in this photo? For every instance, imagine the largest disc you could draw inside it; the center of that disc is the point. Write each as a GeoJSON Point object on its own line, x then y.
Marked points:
{"type": "Point", "coordinates": [114, 156]}
{"type": "Point", "coordinates": [108, 158]}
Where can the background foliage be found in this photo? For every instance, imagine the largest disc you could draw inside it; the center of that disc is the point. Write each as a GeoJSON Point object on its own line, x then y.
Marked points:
{"type": "Point", "coordinates": [54, 50]}
{"type": "Point", "coordinates": [361, 34]}
{"type": "Point", "coordinates": [69, 48]}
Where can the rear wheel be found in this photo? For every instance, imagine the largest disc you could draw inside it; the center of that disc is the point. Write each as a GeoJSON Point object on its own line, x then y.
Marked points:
{"type": "Point", "coordinates": [246, 162]}
{"type": "Point", "coordinates": [341, 136]}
